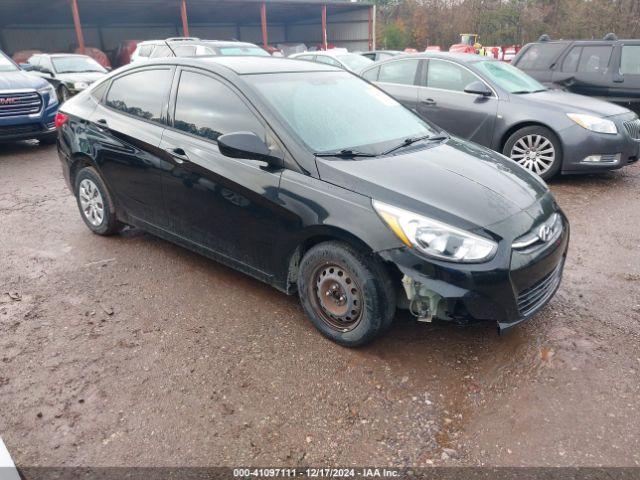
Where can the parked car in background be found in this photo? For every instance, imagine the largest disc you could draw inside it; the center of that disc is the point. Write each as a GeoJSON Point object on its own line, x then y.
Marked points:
{"type": "Point", "coordinates": [28, 105]}
{"type": "Point", "coordinates": [496, 105]}
{"type": "Point", "coordinates": [310, 179]}
{"type": "Point", "coordinates": [97, 54]}
{"type": "Point", "coordinates": [68, 73]}
{"type": "Point", "coordinates": [338, 57]}
{"type": "Point", "coordinates": [606, 69]}
{"type": "Point", "coordinates": [377, 55]}
{"type": "Point", "coordinates": [194, 47]}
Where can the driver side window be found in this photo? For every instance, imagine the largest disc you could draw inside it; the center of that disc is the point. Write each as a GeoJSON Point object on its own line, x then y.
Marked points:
{"type": "Point", "coordinates": [448, 76]}
{"type": "Point", "coordinates": [207, 108]}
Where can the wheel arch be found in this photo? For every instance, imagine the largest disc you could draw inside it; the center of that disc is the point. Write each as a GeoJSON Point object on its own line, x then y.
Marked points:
{"type": "Point", "coordinates": [78, 161]}
{"type": "Point", "coordinates": [524, 124]}
{"type": "Point", "coordinates": [314, 236]}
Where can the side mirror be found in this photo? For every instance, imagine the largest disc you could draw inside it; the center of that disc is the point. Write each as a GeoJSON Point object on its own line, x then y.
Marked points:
{"type": "Point", "coordinates": [246, 145]}
{"type": "Point", "coordinates": [27, 67]}
{"type": "Point", "coordinates": [478, 88]}
{"type": "Point", "coordinates": [46, 71]}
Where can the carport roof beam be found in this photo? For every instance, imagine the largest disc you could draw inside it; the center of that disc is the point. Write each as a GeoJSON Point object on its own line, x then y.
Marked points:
{"type": "Point", "coordinates": [183, 15]}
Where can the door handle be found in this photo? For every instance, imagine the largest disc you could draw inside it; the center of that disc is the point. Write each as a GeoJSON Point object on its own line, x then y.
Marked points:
{"type": "Point", "coordinates": [430, 102]}
{"type": "Point", "coordinates": [179, 155]}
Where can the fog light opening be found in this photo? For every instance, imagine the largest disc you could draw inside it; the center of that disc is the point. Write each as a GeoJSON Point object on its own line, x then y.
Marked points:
{"type": "Point", "coordinates": [608, 159]}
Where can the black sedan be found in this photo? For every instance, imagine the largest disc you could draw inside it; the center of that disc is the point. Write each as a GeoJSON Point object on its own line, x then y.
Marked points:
{"type": "Point", "coordinates": [314, 181]}
{"type": "Point", "coordinates": [500, 107]}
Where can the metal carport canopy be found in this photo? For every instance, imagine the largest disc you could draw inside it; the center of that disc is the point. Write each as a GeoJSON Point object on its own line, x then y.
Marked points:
{"type": "Point", "coordinates": [114, 12]}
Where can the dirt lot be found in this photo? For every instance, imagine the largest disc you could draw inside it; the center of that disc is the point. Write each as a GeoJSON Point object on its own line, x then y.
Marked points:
{"type": "Point", "coordinates": [131, 351]}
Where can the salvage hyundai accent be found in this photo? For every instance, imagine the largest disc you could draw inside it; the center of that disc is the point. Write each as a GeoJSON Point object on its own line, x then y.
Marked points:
{"type": "Point", "coordinates": [308, 178]}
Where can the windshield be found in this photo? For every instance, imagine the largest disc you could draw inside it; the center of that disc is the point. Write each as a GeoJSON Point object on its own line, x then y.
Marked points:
{"type": "Point", "coordinates": [242, 51]}
{"type": "Point", "coordinates": [354, 62]}
{"type": "Point", "coordinates": [333, 111]}
{"type": "Point", "coordinates": [508, 77]}
{"type": "Point", "coordinates": [76, 65]}
{"type": "Point", "coordinates": [7, 65]}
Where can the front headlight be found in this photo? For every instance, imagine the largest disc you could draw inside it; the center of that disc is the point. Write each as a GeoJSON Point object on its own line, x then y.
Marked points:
{"type": "Point", "coordinates": [436, 239]}
{"type": "Point", "coordinates": [593, 123]}
{"type": "Point", "coordinates": [51, 92]}
{"type": "Point", "coordinates": [80, 85]}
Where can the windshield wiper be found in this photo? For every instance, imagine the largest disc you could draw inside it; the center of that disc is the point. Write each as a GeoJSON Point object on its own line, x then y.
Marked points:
{"type": "Point", "coordinates": [345, 153]}
{"type": "Point", "coordinates": [411, 140]}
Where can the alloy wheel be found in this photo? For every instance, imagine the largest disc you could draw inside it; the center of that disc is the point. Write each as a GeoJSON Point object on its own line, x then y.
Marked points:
{"type": "Point", "coordinates": [534, 152]}
{"type": "Point", "coordinates": [91, 202]}
{"type": "Point", "coordinates": [338, 297]}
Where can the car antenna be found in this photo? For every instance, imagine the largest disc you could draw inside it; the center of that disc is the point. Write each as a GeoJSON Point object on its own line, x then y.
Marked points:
{"type": "Point", "coordinates": [544, 38]}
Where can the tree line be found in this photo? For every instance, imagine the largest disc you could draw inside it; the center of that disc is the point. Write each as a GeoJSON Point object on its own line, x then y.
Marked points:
{"type": "Point", "coordinates": [422, 23]}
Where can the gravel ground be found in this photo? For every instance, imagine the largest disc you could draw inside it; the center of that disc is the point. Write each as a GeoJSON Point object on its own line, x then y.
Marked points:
{"type": "Point", "coordinates": [131, 351]}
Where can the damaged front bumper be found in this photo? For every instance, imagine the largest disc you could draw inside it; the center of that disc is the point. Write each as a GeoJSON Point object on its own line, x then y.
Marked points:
{"type": "Point", "coordinates": [511, 288]}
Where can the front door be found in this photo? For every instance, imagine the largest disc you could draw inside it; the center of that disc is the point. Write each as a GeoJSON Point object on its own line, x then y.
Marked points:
{"type": "Point", "coordinates": [127, 129]}
{"type": "Point", "coordinates": [443, 101]}
{"type": "Point", "coordinates": [226, 205]}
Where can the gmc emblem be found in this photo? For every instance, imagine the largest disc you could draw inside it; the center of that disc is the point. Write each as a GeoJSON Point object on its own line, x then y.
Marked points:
{"type": "Point", "coordinates": [8, 101]}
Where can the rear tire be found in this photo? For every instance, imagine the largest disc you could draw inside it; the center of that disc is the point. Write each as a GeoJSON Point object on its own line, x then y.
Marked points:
{"type": "Point", "coordinates": [347, 295]}
{"type": "Point", "coordinates": [95, 203]}
{"type": "Point", "coordinates": [536, 149]}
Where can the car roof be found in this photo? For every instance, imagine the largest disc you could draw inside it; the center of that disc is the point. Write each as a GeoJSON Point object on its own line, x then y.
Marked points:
{"type": "Point", "coordinates": [590, 42]}
{"type": "Point", "coordinates": [57, 55]}
{"type": "Point", "coordinates": [216, 43]}
{"type": "Point", "coordinates": [250, 65]}
{"type": "Point", "coordinates": [459, 57]}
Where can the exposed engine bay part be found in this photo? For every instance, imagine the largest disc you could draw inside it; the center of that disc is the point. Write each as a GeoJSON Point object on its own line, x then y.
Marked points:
{"type": "Point", "coordinates": [424, 304]}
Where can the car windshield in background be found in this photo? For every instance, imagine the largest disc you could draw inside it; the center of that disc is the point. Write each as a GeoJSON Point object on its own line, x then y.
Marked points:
{"type": "Point", "coordinates": [509, 78]}
{"type": "Point", "coordinates": [76, 65]}
{"type": "Point", "coordinates": [7, 65]}
{"type": "Point", "coordinates": [333, 111]}
{"type": "Point", "coordinates": [243, 51]}
{"type": "Point", "coordinates": [354, 62]}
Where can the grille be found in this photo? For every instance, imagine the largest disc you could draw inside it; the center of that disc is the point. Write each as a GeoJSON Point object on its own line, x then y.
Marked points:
{"type": "Point", "coordinates": [534, 297]}
{"type": "Point", "coordinates": [633, 127]}
{"type": "Point", "coordinates": [14, 104]}
{"type": "Point", "coordinates": [19, 129]}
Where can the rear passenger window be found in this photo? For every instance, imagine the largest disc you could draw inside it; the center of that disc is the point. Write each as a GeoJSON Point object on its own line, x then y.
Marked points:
{"type": "Point", "coordinates": [570, 63]}
{"type": "Point", "coordinates": [402, 72]}
{"type": "Point", "coordinates": [207, 108]}
{"type": "Point", "coordinates": [371, 75]}
{"type": "Point", "coordinates": [540, 56]}
{"type": "Point", "coordinates": [141, 94]}
{"type": "Point", "coordinates": [161, 51]}
{"type": "Point", "coordinates": [145, 50]}
{"type": "Point", "coordinates": [185, 51]}
{"type": "Point", "coordinates": [630, 61]}
{"type": "Point", "coordinates": [327, 60]}
{"type": "Point", "coordinates": [595, 59]}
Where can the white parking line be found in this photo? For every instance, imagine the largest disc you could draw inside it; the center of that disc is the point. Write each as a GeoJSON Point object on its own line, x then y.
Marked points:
{"type": "Point", "coordinates": [7, 467]}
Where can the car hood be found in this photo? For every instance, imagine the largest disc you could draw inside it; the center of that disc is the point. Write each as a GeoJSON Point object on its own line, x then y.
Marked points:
{"type": "Point", "coordinates": [19, 80]}
{"type": "Point", "coordinates": [88, 77]}
{"type": "Point", "coordinates": [457, 182]}
{"type": "Point", "coordinates": [572, 103]}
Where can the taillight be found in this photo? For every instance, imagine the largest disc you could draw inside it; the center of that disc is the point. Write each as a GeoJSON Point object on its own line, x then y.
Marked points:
{"type": "Point", "coordinates": [61, 119]}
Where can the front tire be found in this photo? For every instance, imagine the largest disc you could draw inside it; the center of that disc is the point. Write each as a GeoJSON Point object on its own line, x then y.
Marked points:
{"type": "Point", "coordinates": [537, 149]}
{"type": "Point", "coordinates": [347, 295]}
{"type": "Point", "coordinates": [95, 203]}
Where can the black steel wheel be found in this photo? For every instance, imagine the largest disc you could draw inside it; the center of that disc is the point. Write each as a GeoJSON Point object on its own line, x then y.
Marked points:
{"type": "Point", "coordinates": [347, 294]}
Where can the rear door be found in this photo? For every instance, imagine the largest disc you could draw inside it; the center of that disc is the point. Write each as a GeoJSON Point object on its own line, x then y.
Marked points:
{"type": "Point", "coordinates": [587, 69]}
{"type": "Point", "coordinates": [226, 205]}
{"type": "Point", "coordinates": [127, 129]}
{"type": "Point", "coordinates": [399, 79]}
{"type": "Point", "coordinates": [443, 101]}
